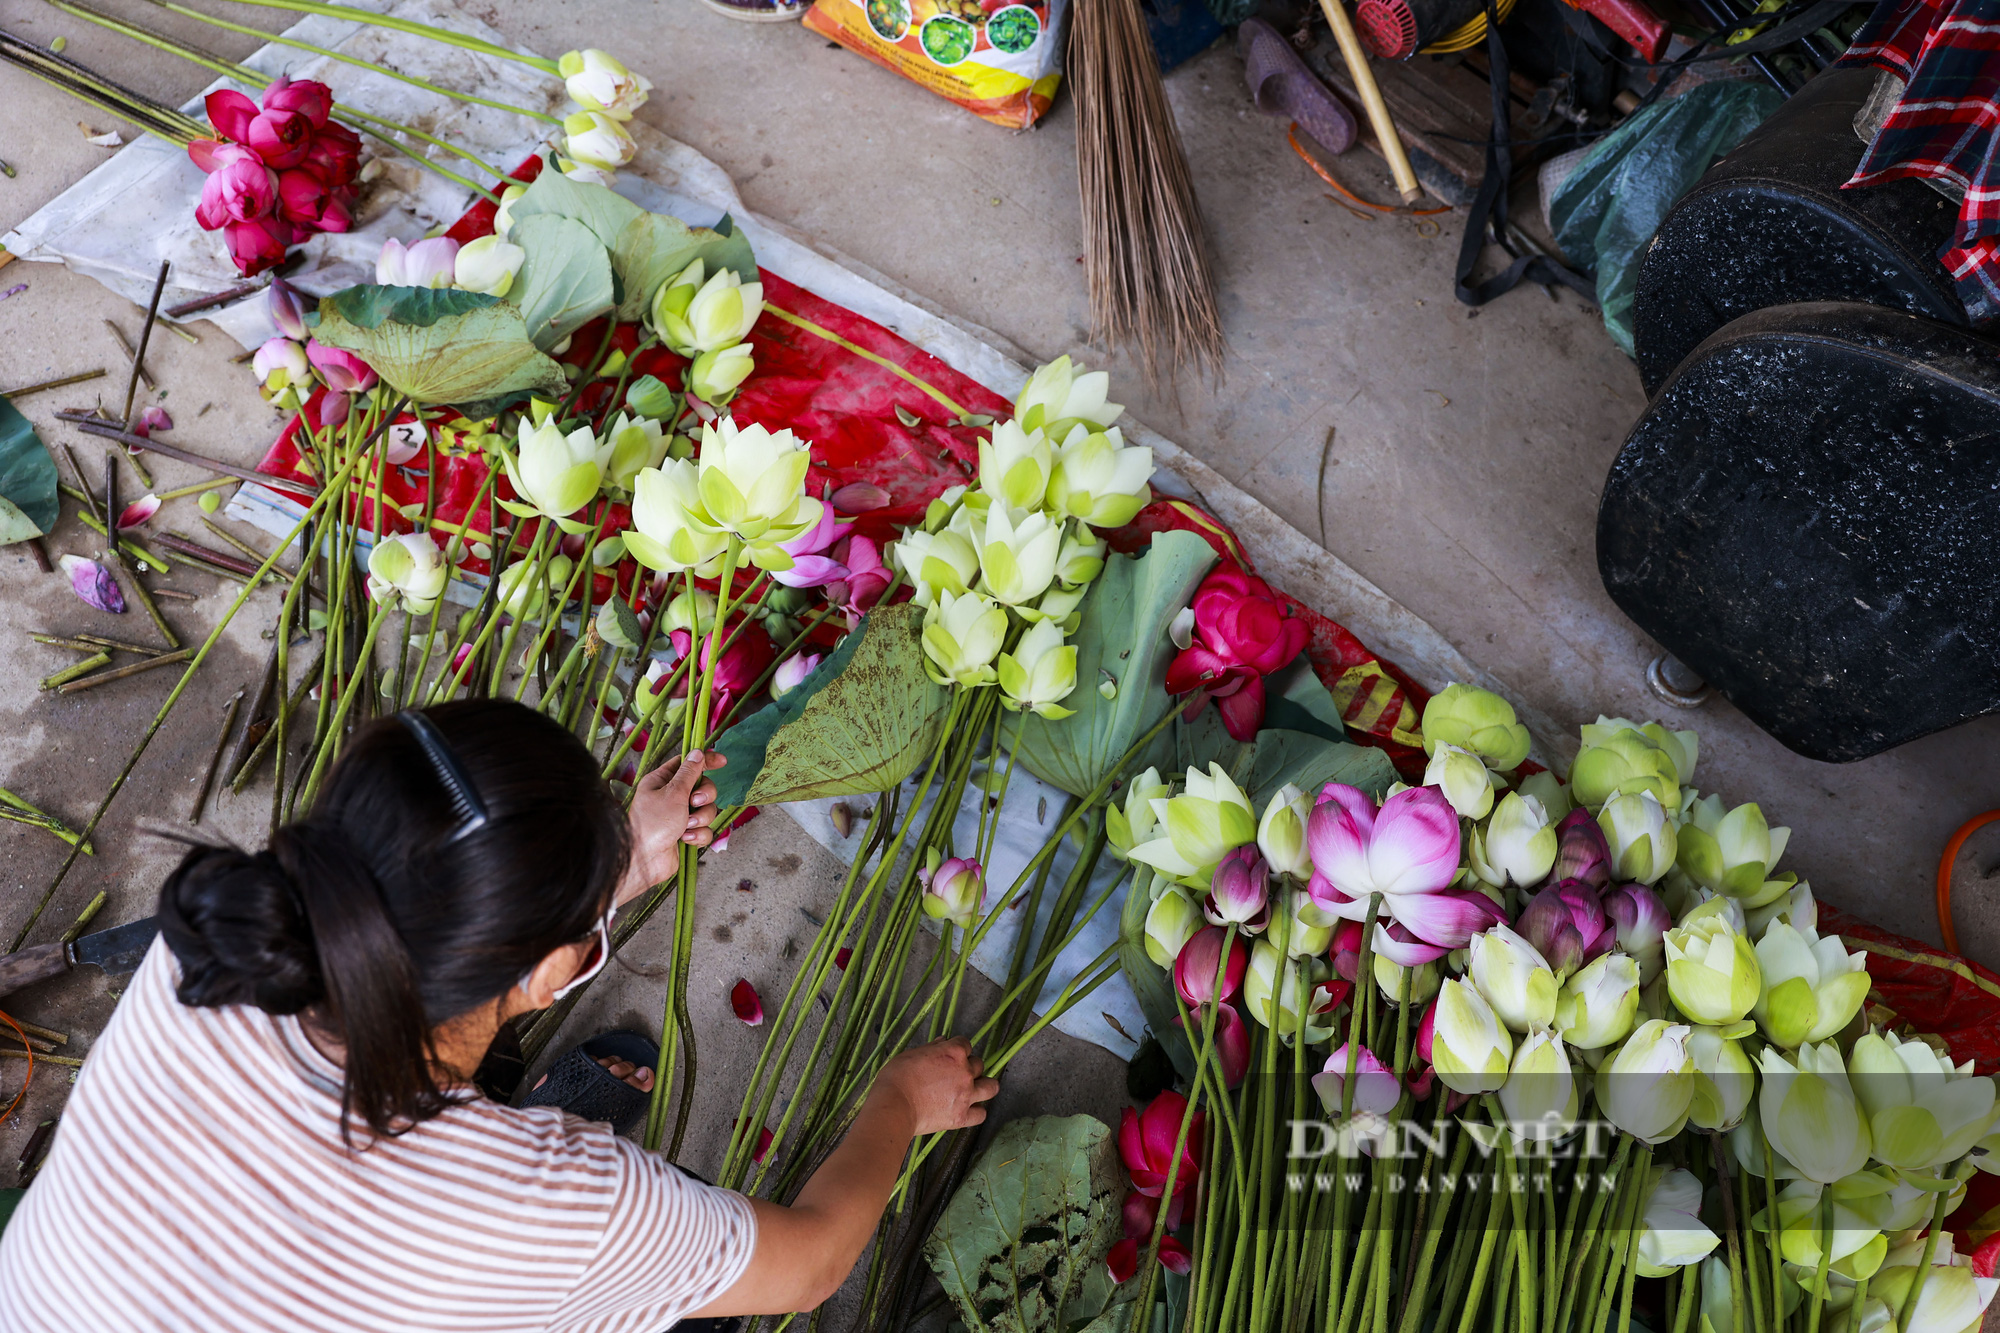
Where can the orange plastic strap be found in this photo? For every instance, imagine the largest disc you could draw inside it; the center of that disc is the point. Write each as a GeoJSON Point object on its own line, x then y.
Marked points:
{"type": "Point", "coordinates": [30, 1078]}
{"type": "Point", "coordinates": [1952, 847]}
{"type": "Point", "coordinates": [1292, 134]}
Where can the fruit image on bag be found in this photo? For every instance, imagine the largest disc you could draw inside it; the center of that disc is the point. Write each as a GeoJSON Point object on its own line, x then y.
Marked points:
{"type": "Point", "coordinates": [999, 60]}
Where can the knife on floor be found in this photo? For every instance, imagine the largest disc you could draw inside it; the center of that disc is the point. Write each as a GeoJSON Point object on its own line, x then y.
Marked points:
{"type": "Point", "coordinates": [118, 950]}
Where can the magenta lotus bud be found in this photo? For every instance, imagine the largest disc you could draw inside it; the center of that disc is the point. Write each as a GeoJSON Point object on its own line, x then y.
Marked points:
{"type": "Point", "coordinates": [1200, 961]}
{"type": "Point", "coordinates": [1232, 1040]}
{"type": "Point", "coordinates": [258, 244]}
{"type": "Point", "coordinates": [231, 113]}
{"type": "Point", "coordinates": [792, 673]}
{"type": "Point", "coordinates": [281, 138]}
{"type": "Point", "coordinates": [1566, 924]}
{"type": "Point", "coordinates": [1640, 920]}
{"type": "Point", "coordinates": [1146, 1142]}
{"type": "Point", "coordinates": [240, 189]}
{"type": "Point", "coordinates": [333, 410]}
{"type": "Point", "coordinates": [304, 97]}
{"type": "Point", "coordinates": [302, 197]}
{"type": "Point", "coordinates": [1346, 952]}
{"type": "Point", "coordinates": [287, 307]}
{"type": "Point", "coordinates": [343, 371]}
{"type": "Point", "coordinates": [1581, 851]}
{"type": "Point", "coordinates": [955, 892]}
{"type": "Point", "coordinates": [1376, 1089]}
{"type": "Point", "coordinates": [1240, 890]}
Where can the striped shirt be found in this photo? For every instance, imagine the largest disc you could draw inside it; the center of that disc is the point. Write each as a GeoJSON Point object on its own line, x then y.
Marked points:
{"type": "Point", "coordinates": [199, 1184]}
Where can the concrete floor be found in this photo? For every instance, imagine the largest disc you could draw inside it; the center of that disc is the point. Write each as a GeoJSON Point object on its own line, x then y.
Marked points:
{"type": "Point", "coordinates": [1468, 448]}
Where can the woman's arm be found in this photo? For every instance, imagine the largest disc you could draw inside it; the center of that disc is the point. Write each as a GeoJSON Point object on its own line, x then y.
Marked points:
{"type": "Point", "coordinates": [805, 1251]}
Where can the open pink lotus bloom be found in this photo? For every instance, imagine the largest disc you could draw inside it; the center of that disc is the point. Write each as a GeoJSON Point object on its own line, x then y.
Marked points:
{"type": "Point", "coordinates": [1567, 925]}
{"type": "Point", "coordinates": [343, 371]}
{"type": "Point", "coordinates": [742, 664]}
{"type": "Point", "coordinates": [1581, 851]}
{"type": "Point", "coordinates": [1146, 1144]}
{"type": "Point", "coordinates": [239, 188]}
{"type": "Point", "coordinates": [1397, 943]}
{"type": "Point", "coordinates": [281, 138]}
{"type": "Point", "coordinates": [747, 1003]}
{"type": "Point", "coordinates": [1240, 890]}
{"type": "Point", "coordinates": [259, 244]}
{"type": "Point", "coordinates": [1200, 960]}
{"type": "Point", "coordinates": [810, 568]}
{"type": "Point", "coordinates": [1403, 851]}
{"type": "Point", "coordinates": [1376, 1090]}
{"type": "Point", "coordinates": [1232, 1040]}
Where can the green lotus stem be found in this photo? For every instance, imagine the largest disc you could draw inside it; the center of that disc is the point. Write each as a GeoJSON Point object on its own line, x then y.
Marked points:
{"type": "Point", "coordinates": [369, 121]}
{"type": "Point", "coordinates": [535, 583]}
{"type": "Point", "coordinates": [354, 680]}
{"type": "Point", "coordinates": [1690, 1297]}
{"type": "Point", "coordinates": [1094, 974]}
{"type": "Point", "coordinates": [174, 697]}
{"type": "Point", "coordinates": [1645, 1164]}
{"type": "Point", "coordinates": [1584, 1244]}
{"type": "Point", "coordinates": [457, 39]}
{"type": "Point", "coordinates": [1142, 1309]}
{"type": "Point", "coordinates": [371, 66]}
{"type": "Point", "coordinates": [1908, 1312]}
{"type": "Point", "coordinates": [552, 621]}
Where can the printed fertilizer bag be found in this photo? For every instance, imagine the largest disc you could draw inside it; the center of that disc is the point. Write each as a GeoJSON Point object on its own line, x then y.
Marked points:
{"type": "Point", "coordinates": [999, 60]}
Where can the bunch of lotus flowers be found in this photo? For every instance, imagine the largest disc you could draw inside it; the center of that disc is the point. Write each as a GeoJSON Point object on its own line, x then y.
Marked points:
{"type": "Point", "coordinates": [1002, 567]}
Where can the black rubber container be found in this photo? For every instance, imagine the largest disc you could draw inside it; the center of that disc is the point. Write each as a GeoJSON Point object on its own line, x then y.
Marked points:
{"type": "Point", "coordinates": [1808, 515]}
{"type": "Point", "coordinates": [1769, 225]}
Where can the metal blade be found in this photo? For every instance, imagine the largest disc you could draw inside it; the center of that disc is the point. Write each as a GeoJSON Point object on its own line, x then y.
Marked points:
{"type": "Point", "coordinates": [119, 949]}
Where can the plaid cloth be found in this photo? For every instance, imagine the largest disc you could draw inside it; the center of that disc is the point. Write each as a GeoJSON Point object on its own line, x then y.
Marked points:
{"type": "Point", "coordinates": [1945, 126]}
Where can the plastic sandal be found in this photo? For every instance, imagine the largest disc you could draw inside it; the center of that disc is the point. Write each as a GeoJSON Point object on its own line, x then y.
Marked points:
{"type": "Point", "coordinates": [583, 1087]}
{"type": "Point", "coordinates": [1282, 86]}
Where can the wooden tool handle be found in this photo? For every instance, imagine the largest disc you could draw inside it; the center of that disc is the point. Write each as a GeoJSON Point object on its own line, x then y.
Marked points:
{"type": "Point", "coordinates": [18, 970]}
{"type": "Point", "coordinates": [1371, 99]}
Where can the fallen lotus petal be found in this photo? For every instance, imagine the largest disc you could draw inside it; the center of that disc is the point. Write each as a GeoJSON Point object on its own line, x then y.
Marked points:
{"type": "Point", "coordinates": [152, 419]}
{"type": "Point", "coordinates": [749, 1005]}
{"type": "Point", "coordinates": [1122, 1260]}
{"type": "Point", "coordinates": [1174, 1257]}
{"type": "Point", "coordinates": [858, 497]}
{"type": "Point", "coordinates": [139, 511]}
{"type": "Point", "coordinates": [94, 584]}
{"type": "Point", "coordinates": [763, 1148]}
{"type": "Point", "coordinates": [840, 959]}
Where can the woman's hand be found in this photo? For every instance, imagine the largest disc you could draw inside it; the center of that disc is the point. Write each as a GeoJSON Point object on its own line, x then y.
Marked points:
{"type": "Point", "coordinates": [939, 1085]}
{"type": "Point", "coordinates": [670, 807]}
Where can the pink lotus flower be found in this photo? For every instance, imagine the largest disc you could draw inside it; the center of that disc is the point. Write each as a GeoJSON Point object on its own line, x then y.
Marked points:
{"type": "Point", "coordinates": [257, 245]}
{"type": "Point", "coordinates": [335, 155]}
{"type": "Point", "coordinates": [742, 665]}
{"type": "Point", "coordinates": [866, 580]}
{"type": "Point", "coordinates": [305, 97]}
{"type": "Point", "coordinates": [1232, 1040]}
{"type": "Point", "coordinates": [1240, 890]}
{"type": "Point", "coordinates": [1242, 633]}
{"type": "Point", "coordinates": [428, 263]}
{"type": "Point", "coordinates": [93, 583]}
{"type": "Point", "coordinates": [858, 497]}
{"type": "Point", "coordinates": [1581, 851]}
{"type": "Point", "coordinates": [810, 568]}
{"type": "Point", "coordinates": [1407, 851]}
{"type": "Point", "coordinates": [343, 371]}
{"type": "Point", "coordinates": [333, 409]}
{"type": "Point", "coordinates": [230, 112]}
{"type": "Point", "coordinates": [1639, 920]}
{"type": "Point", "coordinates": [1146, 1144]}
{"type": "Point", "coordinates": [281, 138]}
{"type": "Point", "coordinates": [239, 188]}
{"type": "Point", "coordinates": [1376, 1090]}
{"type": "Point", "coordinates": [139, 511]}
{"type": "Point", "coordinates": [793, 672]}
{"type": "Point", "coordinates": [954, 892]}
{"type": "Point", "coordinates": [1567, 925]}
{"type": "Point", "coordinates": [287, 307]}
{"type": "Point", "coordinates": [747, 1003]}
{"type": "Point", "coordinates": [303, 199]}
{"type": "Point", "coordinates": [1200, 961]}
{"type": "Point", "coordinates": [1345, 955]}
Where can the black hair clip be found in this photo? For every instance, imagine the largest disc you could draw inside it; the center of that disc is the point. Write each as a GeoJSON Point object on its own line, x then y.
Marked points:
{"type": "Point", "coordinates": [465, 803]}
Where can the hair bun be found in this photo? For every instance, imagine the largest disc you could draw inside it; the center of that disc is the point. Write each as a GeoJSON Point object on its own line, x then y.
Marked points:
{"type": "Point", "coordinates": [234, 920]}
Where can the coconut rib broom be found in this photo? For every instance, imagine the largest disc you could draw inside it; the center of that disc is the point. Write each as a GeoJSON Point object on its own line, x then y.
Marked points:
{"type": "Point", "coordinates": [1145, 256]}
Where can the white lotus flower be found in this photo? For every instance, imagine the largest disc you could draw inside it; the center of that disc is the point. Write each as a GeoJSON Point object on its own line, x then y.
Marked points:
{"type": "Point", "coordinates": [598, 140]}
{"type": "Point", "coordinates": [1014, 465]}
{"type": "Point", "coordinates": [1040, 673]}
{"type": "Point", "coordinates": [1017, 554]}
{"type": "Point", "coordinates": [554, 474]}
{"type": "Point", "coordinates": [1060, 394]}
{"type": "Point", "coordinates": [408, 565]}
{"type": "Point", "coordinates": [488, 264]}
{"type": "Point", "coordinates": [670, 532]}
{"type": "Point", "coordinates": [1674, 1236]}
{"type": "Point", "coordinates": [1098, 479]}
{"type": "Point", "coordinates": [599, 81]}
{"type": "Point", "coordinates": [962, 636]}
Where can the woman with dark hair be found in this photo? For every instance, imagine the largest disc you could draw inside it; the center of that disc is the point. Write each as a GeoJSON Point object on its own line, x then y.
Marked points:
{"type": "Point", "coordinates": [278, 1129]}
